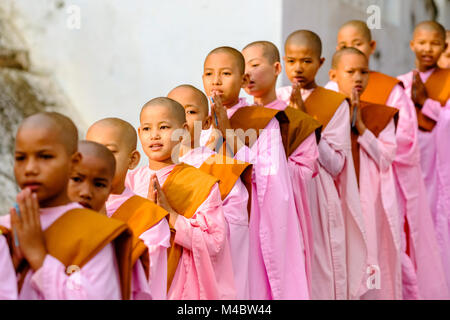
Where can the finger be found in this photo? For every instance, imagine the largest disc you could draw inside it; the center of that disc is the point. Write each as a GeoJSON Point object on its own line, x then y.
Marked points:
{"type": "Point", "coordinates": [35, 208]}
{"type": "Point", "coordinates": [15, 225]}
{"type": "Point", "coordinates": [29, 208]}
{"type": "Point", "coordinates": [22, 208]}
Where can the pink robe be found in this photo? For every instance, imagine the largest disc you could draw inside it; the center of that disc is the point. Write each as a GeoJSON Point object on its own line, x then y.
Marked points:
{"type": "Point", "coordinates": [96, 280]}
{"type": "Point", "coordinates": [157, 240]}
{"type": "Point", "coordinates": [8, 282]}
{"type": "Point", "coordinates": [422, 271]}
{"type": "Point", "coordinates": [436, 173]}
{"type": "Point", "coordinates": [339, 265]}
{"type": "Point", "coordinates": [276, 260]}
{"type": "Point", "coordinates": [236, 214]}
{"type": "Point", "coordinates": [205, 269]}
{"type": "Point", "coordinates": [303, 166]}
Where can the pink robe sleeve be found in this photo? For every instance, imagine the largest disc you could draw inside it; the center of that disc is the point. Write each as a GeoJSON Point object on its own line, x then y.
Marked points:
{"type": "Point", "coordinates": [277, 249]}
{"type": "Point", "coordinates": [303, 166]}
{"type": "Point", "coordinates": [97, 280]}
{"type": "Point", "coordinates": [157, 240]}
{"type": "Point", "coordinates": [205, 270]}
{"type": "Point", "coordinates": [382, 149]}
{"type": "Point", "coordinates": [140, 289]}
{"type": "Point", "coordinates": [236, 215]}
{"type": "Point", "coordinates": [8, 283]}
{"type": "Point", "coordinates": [330, 157]}
{"type": "Point", "coordinates": [432, 109]}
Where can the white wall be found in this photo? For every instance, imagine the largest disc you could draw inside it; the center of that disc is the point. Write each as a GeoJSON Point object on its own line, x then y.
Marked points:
{"type": "Point", "coordinates": [127, 52]}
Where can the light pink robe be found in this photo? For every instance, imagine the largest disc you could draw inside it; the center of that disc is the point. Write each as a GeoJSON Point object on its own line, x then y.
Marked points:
{"type": "Point", "coordinates": [205, 270]}
{"type": "Point", "coordinates": [422, 271]}
{"type": "Point", "coordinates": [276, 260]}
{"type": "Point", "coordinates": [97, 280]}
{"type": "Point", "coordinates": [236, 214]}
{"type": "Point", "coordinates": [303, 166]}
{"type": "Point", "coordinates": [436, 173]}
{"type": "Point", "coordinates": [157, 240]}
{"type": "Point", "coordinates": [339, 265]}
{"type": "Point", "coordinates": [8, 282]}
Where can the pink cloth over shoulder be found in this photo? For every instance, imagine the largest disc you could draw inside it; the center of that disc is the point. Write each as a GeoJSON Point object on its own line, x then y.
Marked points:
{"type": "Point", "coordinates": [380, 209]}
{"type": "Point", "coordinates": [157, 240]}
{"type": "Point", "coordinates": [205, 269]}
{"type": "Point", "coordinates": [302, 166]}
{"type": "Point", "coordinates": [276, 260]}
{"type": "Point", "coordinates": [339, 264]}
{"type": "Point", "coordinates": [97, 280]}
{"type": "Point", "coordinates": [435, 169]}
{"type": "Point", "coordinates": [8, 282]}
{"type": "Point", "coordinates": [236, 215]}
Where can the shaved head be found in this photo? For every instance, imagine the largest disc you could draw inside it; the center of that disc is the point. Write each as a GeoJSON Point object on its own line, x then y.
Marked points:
{"type": "Point", "coordinates": [359, 25]}
{"type": "Point", "coordinates": [175, 108]}
{"type": "Point", "coordinates": [270, 51]}
{"type": "Point", "coordinates": [198, 95]}
{"type": "Point", "coordinates": [431, 26]}
{"type": "Point", "coordinates": [96, 150]}
{"type": "Point", "coordinates": [60, 125]}
{"type": "Point", "coordinates": [126, 131]}
{"type": "Point", "coordinates": [236, 54]}
{"type": "Point", "coordinates": [343, 52]}
{"type": "Point", "coordinates": [305, 38]}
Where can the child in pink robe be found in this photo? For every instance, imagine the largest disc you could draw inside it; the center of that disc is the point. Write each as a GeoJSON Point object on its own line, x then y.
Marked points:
{"type": "Point", "coordinates": [45, 151]}
{"type": "Point", "coordinates": [92, 181]}
{"type": "Point", "coordinates": [8, 283]}
{"type": "Point", "coordinates": [235, 203]}
{"type": "Point", "coordinates": [376, 180]}
{"type": "Point", "coordinates": [276, 261]}
{"type": "Point", "coordinates": [262, 64]}
{"type": "Point", "coordinates": [433, 145]}
{"type": "Point", "coordinates": [205, 269]}
{"type": "Point", "coordinates": [121, 139]}
{"type": "Point", "coordinates": [339, 265]}
{"type": "Point", "coordinates": [420, 277]}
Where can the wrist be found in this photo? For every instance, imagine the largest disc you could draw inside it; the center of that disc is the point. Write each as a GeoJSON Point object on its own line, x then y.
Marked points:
{"type": "Point", "coordinates": [37, 260]}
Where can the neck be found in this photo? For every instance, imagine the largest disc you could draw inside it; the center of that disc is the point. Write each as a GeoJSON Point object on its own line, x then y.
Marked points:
{"type": "Point", "coordinates": [119, 188]}
{"type": "Point", "coordinates": [266, 98]}
{"type": "Point", "coordinates": [59, 200]}
{"type": "Point", "coordinates": [231, 103]}
{"type": "Point", "coordinates": [310, 85]}
{"type": "Point", "coordinates": [422, 68]}
{"type": "Point", "coordinates": [158, 165]}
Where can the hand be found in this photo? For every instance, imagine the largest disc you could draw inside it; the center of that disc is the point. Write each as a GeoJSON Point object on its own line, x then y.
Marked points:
{"type": "Point", "coordinates": [28, 230]}
{"type": "Point", "coordinates": [219, 114]}
{"type": "Point", "coordinates": [418, 91]}
{"type": "Point", "coordinates": [156, 195]}
{"type": "Point", "coordinates": [296, 100]}
{"type": "Point", "coordinates": [355, 113]}
{"type": "Point", "coordinates": [223, 125]}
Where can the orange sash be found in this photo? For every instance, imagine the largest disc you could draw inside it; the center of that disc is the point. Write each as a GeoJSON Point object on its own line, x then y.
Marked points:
{"type": "Point", "coordinates": [7, 234]}
{"type": "Point", "coordinates": [228, 171]}
{"type": "Point", "coordinates": [140, 214]}
{"type": "Point", "coordinates": [379, 88]}
{"type": "Point", "coordinates": [438, 88]}
{"type": "Point", "coordinates": [375, 117]}
{"type": "Point", "coordinates": [295, 125]}
{"type": "Point", "coordinates": [186, 188]}
{"type": "Point", "coordinates": [322, 104]}
{"type": "Point", "coordinates": [78, 235]}
{"type": "Point", "coordinates": [301, 125]}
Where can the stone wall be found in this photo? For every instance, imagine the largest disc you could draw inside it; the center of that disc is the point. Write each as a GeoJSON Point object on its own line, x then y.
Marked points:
{"type": "Point", "coordinates": [22, 93]}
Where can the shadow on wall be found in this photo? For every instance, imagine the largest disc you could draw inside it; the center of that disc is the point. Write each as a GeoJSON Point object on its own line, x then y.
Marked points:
{"type": "Point", "coordinates": [22, 93]}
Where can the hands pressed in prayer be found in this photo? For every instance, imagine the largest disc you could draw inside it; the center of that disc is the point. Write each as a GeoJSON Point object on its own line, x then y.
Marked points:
{"type": "Point", "coordinates": [418, 91]}
{"type": "Point", "coordinates": [296, 100]}
{"type": "Point", "coordinates": [156, 195]}
{"type": "Point", "coordinates": [355, 113]}
{"type": "Point", "coordinates": [27, 228]}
